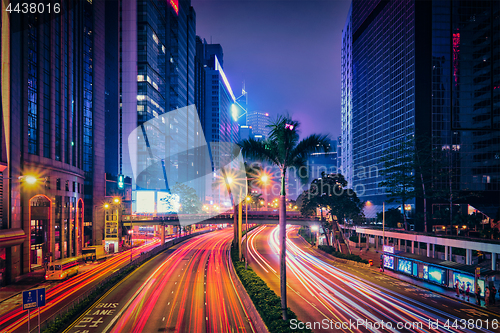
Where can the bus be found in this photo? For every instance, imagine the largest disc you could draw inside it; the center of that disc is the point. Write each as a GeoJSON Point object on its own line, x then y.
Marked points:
{"type": "Point", "coordinates": [62, 269]}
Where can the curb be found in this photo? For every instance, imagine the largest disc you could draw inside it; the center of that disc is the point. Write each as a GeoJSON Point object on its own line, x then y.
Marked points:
{"type": "Point", "coordinates": [440, 293]}
{"type": "Point", "coordinates": [20, 292]}
{"type": "Point", "coordinates": [253, 314]}
{"type": "Point", "coordinates": [376, 271]}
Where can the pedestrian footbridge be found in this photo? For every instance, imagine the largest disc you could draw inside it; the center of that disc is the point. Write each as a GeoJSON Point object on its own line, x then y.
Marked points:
{"type": "Point", "coordinates": [255, 217]}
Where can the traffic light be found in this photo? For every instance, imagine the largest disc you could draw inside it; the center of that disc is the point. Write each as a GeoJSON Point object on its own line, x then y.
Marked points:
{"type": "Point", "coordinates": [121, 184]}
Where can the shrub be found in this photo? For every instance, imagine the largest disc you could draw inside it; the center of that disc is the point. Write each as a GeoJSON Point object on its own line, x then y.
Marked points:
{"type": "Point", "coordinates": [267, 303]}
{"type": "Point", "coordinates": [63, 321]}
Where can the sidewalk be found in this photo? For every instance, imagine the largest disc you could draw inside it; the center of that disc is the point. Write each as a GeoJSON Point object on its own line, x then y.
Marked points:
{"type": "Point", "coordinates": [36, 278]}
{"type": "Point", "coordinates": [26, 282]}
{"type": "Point", "coordinates": [375, 256]}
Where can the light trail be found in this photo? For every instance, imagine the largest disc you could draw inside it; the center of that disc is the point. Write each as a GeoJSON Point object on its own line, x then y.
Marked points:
{"type": "Point", "coordinates": [70, 288]}
{"type": "Point", "coordinates": [196, 281]}
{"type": "Point", "coordinates": [347, 297]}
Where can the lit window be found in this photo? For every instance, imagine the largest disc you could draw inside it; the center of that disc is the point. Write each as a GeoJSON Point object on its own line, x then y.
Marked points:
{"type": "Point", "coordinates": [140, 78]}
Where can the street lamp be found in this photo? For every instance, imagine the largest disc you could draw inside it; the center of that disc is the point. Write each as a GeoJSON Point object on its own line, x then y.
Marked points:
{"type": "Point", "coordinates": [131, 233]}
{"type": "Point", "coordinates": [315, 229]}
{"type": "Point", "coordinates": [247, 200]}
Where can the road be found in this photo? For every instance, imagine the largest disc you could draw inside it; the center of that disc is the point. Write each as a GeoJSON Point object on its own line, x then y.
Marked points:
{"type": "Point", "coordinates": [345, 298]}
{"type": "Point", "coordinates": [60, 294]}
{"type": "Point", "coordinates": [187, 288]}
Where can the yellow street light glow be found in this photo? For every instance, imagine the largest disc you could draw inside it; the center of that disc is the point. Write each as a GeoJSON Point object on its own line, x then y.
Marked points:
{"type": "Point", "coordinates": [262, 202]}
{"type": "Point", "coordinates": [116, 200]}
{"type": "Point", "coordinates": [314, 228]}
{"type": "Point", "coordinates": [248, 199]}
{"type": "Point", "coordinates": [30, 179]}
{"type": "Point", "coordinates": [106, 205]}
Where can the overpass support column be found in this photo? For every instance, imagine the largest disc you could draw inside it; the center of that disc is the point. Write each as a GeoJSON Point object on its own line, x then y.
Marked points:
{"type": "Point", "coordinates": [412, 246]}
{"type": "Point", "coordinates": [162, 234]}
{"type": "Point", "coordinates": [446, 252]}
{"type": "Point", "coordinates": [240, 221]}
{"type": "Point", "coordinates": [359, 240]}
{"type": "Point", "coordinates": [434, 250]}
{"type": "Point", "coordinates": [468, 253]}
{"type": "Point", "coordinates": [450, 252]}
{"type": "Point", "coordinates": [399, 244]}
{"type": "Point", "coordinates": [428, 249]}
{"type": "Point", "coordinates": [493, 261]}
{"type": "Point", "coordinates": [376, 243]}
{"type": "Point", "coordinates": [367, 241]}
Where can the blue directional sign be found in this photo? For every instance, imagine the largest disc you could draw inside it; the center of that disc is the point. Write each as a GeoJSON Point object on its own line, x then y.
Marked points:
{"type": "Point", "coordinates": [33, 298]}
{"type": "Point", "coordinates": [29, 299]}
{"type": "Point", "coordinates": [41, 297]}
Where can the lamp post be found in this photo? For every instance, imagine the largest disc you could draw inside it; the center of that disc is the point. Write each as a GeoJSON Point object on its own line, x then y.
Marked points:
{"type": "Point", "coordinates": [315, 229]}
{"type": "Point", "coordinates": [131, 233]}
{"type": "Point", "coordinates": [383, 224]}
{"type": "Point", "coordinates": [246, 228]}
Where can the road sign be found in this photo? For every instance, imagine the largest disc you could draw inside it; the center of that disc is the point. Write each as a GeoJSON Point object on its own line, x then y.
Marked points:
{"type": "Point", "coordinates": [33, 298]}
{"type": "Point", "coordinates": [41, 297]}
{"type": "Point", "coordinates": [29, 299]}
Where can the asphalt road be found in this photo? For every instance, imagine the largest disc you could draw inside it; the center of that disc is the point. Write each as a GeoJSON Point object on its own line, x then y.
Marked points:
{"type": "Point", "coordinates": [336, 297]}
{"type": "Point", "coordinates": [60, 294]}
{"type": "Point", "coordinates": [187, 288]}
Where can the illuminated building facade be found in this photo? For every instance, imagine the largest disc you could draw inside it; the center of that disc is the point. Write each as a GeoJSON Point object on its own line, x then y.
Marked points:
{"type": "Point", "coordinates": [259, 120]}
{"type": "Point", "coordinates": [157, 75]}
{"type": "Point", "coordinates": [52, 151]}
{"type": "Point", "coordinates": [219, 119]}
{"type": "Point", "coordinates": [428, 69]}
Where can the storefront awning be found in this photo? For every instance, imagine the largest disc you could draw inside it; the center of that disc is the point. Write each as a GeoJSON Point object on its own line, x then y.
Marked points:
{"type": "Point", "coordinates": [11, 237]}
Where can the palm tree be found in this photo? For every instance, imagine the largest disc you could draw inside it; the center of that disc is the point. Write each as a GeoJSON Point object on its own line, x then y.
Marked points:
{"type": "Point", "coordinates": [283, 149]}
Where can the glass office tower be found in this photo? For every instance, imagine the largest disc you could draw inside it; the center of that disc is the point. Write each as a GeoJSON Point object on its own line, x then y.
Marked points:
{"type": "Point", "coordinates": [427, 69]}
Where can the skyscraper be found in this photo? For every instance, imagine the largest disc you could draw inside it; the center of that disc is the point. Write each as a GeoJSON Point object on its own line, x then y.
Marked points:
{"type": "Point", "coordinates": [406, 74]}
{"type": "Point", "coordinates": [52, 145]}
{"type": "Point", "coordinates": [259, 121]}
{"type": "Point", "coordinates": [157, 75]}
{"type": "Point", "coordinates": [218, 103]}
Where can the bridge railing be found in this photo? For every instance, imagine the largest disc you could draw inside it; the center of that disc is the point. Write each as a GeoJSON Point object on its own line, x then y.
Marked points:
{"type": "Point", "coordinates": [272, 215]}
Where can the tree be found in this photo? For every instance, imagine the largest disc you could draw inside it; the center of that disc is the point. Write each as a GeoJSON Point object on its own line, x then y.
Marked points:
{"type": "Point", "coordinates": [398, 172]}
{"type": "Point", "coordinates": [189, 201]}
{"type": "Point", "coordinates": [330, 191]}
{"type": "Point", "coordinates": [392, 217]}
{"type": "Point", "coordinates": [284, 149]}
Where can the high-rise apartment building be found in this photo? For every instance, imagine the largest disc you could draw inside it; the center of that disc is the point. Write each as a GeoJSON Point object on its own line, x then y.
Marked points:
{"type": "Point", "coordinates": [428, 69]}
{"type": "Point", "coordinates": [52, 152]}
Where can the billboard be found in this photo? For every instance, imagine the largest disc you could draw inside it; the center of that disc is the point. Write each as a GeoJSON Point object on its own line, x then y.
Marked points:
{"type": "Point", "coordinates": [145, 201]}
{"type": "Point", "coordinates": [167, 203]}
{"type": "Point", "coordinates": [469, 281]}
{"type": "Point", "coordinates": [404, 266]}
{"type": "Point", "coordinates": [436, 275]}
{"type": "Point", "coordinates": [389, 261]}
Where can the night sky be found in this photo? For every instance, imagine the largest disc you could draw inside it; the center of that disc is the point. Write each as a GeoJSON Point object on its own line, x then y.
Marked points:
{"type": "Point", "coordinates": [286, 51]}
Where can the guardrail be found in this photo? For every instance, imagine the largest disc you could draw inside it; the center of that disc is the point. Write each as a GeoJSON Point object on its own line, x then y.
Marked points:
{"type": "Point", "coordinates": [145, 256]}
{"type": "Point", "coordinates": [207, 217]}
